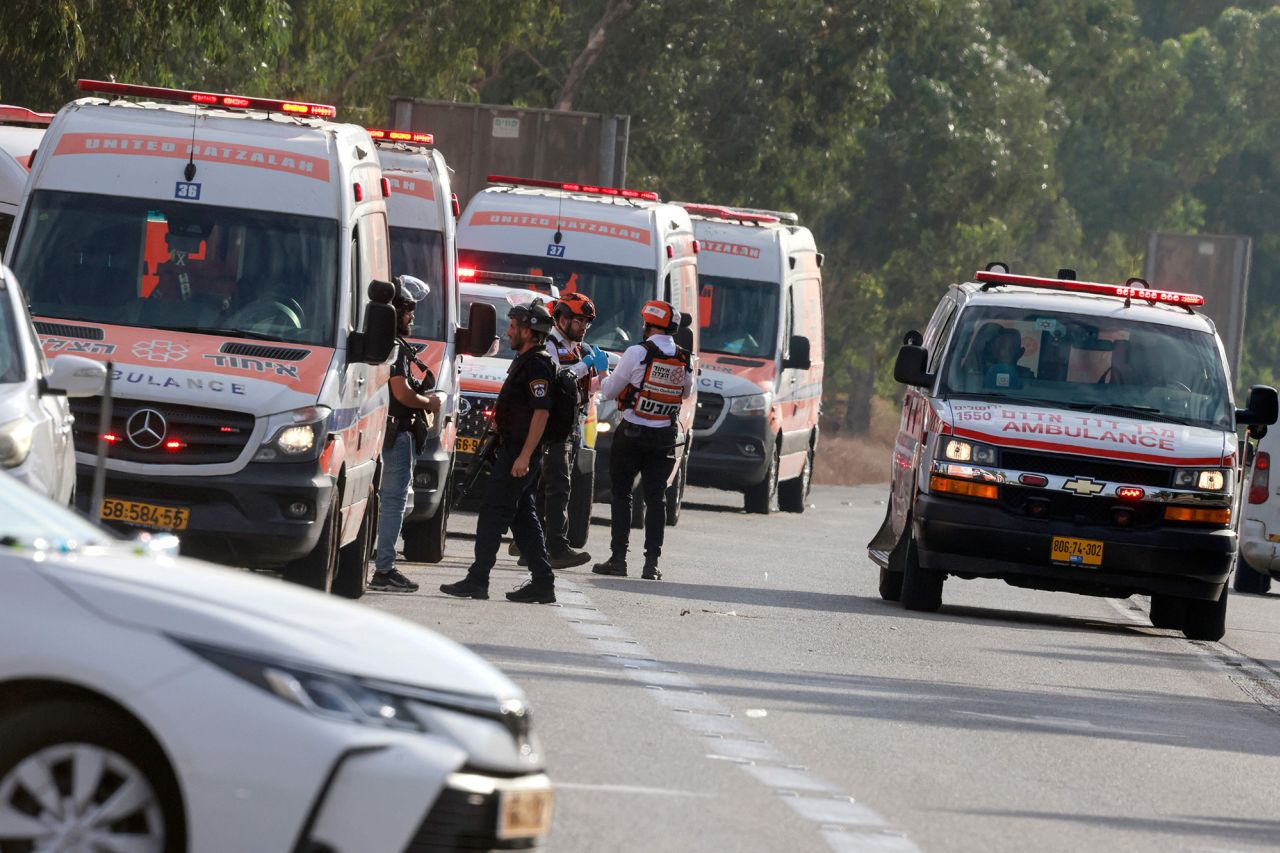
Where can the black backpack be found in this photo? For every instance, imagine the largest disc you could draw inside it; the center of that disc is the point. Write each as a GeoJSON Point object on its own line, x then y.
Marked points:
{"type": "Point", "coordinates": [563, 419]}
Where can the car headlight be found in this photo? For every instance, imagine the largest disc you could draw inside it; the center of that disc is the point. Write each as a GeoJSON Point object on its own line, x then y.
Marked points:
{"type": "Point", "coordinates": [15, 441]}
{"type": "Point", "coordinates": [1204, 479]}
{"type": "Point", "coordinates": [955, 450]}
{"type": "Point", "coordinates": [296, 436]}
{"type": "Point", "coordinates": [751, 404]}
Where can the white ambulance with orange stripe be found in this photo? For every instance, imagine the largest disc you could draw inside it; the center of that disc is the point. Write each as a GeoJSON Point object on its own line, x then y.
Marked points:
{"type": "Point", "coordinates": [760, 386]}
{"type": "Point", "coordinates": [228, 256]}
{"type": "Point", "coordinates": [1069, 436]}
{"type": "Point", "coordinates": [620, 247]}
{"type": "Point", "coordinates": [20, 133]}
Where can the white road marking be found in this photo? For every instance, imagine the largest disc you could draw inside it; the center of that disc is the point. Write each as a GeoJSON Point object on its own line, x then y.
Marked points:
{"type": "Point", "coordinates": [628, 789]}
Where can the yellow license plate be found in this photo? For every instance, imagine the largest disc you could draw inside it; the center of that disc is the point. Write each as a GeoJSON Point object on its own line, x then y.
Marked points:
{"type": "Point", "coordinates": [145, 515]}
{"type": "Point", "coordinates": [1077, 552]}
{"type": "Point", "coordinates": [524, 814]}
{"type": "Point", "coordinates": [467, 445]}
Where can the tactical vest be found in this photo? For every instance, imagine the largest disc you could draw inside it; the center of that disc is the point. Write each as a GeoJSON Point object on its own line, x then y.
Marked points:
{"type": "Point", "coordinates": [569, 353]}
{"type": "Point", "coordinates": [657, 401]}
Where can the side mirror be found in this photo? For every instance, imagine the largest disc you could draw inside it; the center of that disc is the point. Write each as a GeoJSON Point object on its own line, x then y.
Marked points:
{"type": "Point", "coordinates": [1263, 408]}
{"type": "Point", "coordinates": [910, 367]}
{"type": "Point", "coordinates": [479, 333]}
{"type": "Point", "coordinates": [912, 338]}
{"type": "Point", "coordinates": [797, 353]}
{"type": "Point", "coordinates": [75, 376]}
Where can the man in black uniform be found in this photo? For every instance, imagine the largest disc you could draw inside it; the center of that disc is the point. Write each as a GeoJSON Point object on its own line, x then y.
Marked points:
{"type": "Point", "coordinates": [520, 415]}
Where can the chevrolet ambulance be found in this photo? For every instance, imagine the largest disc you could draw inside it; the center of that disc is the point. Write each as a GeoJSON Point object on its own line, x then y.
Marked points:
{"type": "Point", "coordinates": [1068, 436]}
{"type": "Point", "coordinates": [621, 248]}
{"type": "Point", "coordinates": [228, 258]}
{"type": "Point", "coordinates": [20, 133]}
{"type": "Point", "coordinates": [760, 386]}
{"type": "Point", "coordinates": [422, 211]}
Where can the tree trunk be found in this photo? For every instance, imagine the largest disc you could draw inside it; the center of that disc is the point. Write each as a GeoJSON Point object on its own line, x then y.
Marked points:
{"type": "Point", "coordinates": [862, 384]}
{"type": "Point", "coordinates": [613, 13]}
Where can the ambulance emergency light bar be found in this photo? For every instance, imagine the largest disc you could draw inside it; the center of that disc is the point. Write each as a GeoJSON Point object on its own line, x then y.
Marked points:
{"type": "Point", "coordinates": [574, 188]}
{"type": "Point", "coordinates": [208, 99]}
{"type": "Point", "coordinates": [731, 214]}
{"type": "Point", "coordinates": [408, 137]}
{"type": "Point", "coordinates": [1134, 288]}
{"type": "Point", "coordinates": [21, 115]}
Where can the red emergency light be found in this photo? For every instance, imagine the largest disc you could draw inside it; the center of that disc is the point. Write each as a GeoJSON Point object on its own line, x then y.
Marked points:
{"type": "Point", "coordinates": [1134, 288]}
{"type": "Point", "coordinates": [589, 189]}
{"type": "Point", "coordinates": [466, 272]}
{"type": "Point", "coordinates": [718, 212]}
{"type": "Point", "coordinates": [409, 137]}
{"type": "Point", "coordinates": [208, 99]}
{"type": "Point", "coordinates": [21, 115]}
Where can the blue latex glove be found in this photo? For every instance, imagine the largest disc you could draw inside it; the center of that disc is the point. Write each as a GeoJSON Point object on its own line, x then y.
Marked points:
{"type": "Point", "coordinates": [598, 359]}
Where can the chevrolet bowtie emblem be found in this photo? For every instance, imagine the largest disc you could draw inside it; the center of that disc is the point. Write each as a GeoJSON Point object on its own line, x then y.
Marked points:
{"type": "Point", "coordinates": [1084, 486]}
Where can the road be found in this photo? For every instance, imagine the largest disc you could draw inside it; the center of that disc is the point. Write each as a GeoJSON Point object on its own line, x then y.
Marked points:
{"type": "Point", "coordinates": [763, 698]}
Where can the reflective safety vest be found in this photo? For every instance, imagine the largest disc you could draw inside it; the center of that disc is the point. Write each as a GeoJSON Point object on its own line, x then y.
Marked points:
{"type": "Point", "coordinates": [657, 400]}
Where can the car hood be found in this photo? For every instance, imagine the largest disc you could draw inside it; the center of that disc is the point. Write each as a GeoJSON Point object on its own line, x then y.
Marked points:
{"type": "Point", "coordinates": [483, 374]}
{"type": "Point", "coordinates": [265, 616]}
{"type": "Point", "coordinates": [1099, 435]}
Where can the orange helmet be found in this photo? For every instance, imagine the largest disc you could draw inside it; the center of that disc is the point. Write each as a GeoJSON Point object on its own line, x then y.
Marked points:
{"type": "Point", "coordinates": [574, 305]}
{"type": "Point", "coordinates": [658, 313]}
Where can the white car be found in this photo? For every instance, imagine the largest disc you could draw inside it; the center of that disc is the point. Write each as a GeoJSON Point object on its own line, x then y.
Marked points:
{"type": "Point", "coordinates": [153, 703]}
{"type": "Point", "coordinates": [35, 420]}
{"type": "Point", "coordinates": [1259, 559]}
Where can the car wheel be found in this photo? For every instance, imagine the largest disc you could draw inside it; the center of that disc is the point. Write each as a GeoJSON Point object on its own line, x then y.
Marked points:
{"type": "Point", "coordinates": [581, 497]}
{"type": "Point", "coordinates": [793, 494]}
{"type": "Point", "coordinates": [1206, 620]}
{"type": "Point", "coordinates": [921, 587]}
{"type": "Point", "coordinates": [1247, 580]}
{"type": "Point", "coordinates": [762, 498]}
{"type": "Point", "coordinates": [352, 576]}
{"type": "Point", "coordinates": [317, 569]}
{"type": "Point", "coordinates": [78, 776]}
{"type": "Point", "coordinates": [1168, 612]}
{"type": "Point", "coordinates": [425, 541]}
{"type": "Point", "coordinates": [675, 494]}
{"type": "Point", "coordinates": [890, 585]}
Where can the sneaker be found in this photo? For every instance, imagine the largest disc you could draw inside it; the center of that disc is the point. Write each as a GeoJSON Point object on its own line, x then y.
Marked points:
{"type": "Point", "coordinates": [651, 572]}
{"type": "Point", "coordinates": [391, 581]}
{"type": "Point", "coordinates": [523, 561]}
{"type": "Point", "coordinates": [612, 566]}
{"type": "Point", "coordinates": [568, 558]}
{"type": "Point", "coordinates": [533, 592]}
{"type": "Point", "coordinates": [513, 549]}
{"type": "Point", "coordinates": [465, 588]}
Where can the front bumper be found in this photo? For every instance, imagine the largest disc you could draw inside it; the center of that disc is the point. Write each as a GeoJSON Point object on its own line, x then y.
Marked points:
{"type": "Point", "coordinates": [735, 454]}
{"type": "Point", "coordinates": [973, 539]}
{"type": "Point", "coordinates": [240, 518]}
{"type": "Point", "coordinates": [430, 480]}
{"type": "Point", "coordinates": [1261, 553]}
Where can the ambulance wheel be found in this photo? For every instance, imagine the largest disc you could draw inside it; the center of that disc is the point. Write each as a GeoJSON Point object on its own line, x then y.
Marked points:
{"type": "Point", "coordinates": [317, 569]}
{"type": "Point", "coordinates": [762, 498]}
{"type": "Point", "coordinates": [424, 541]}
{"type": "Point", "coordinates": [637, 509]}
{"type": "Point", "coordinates": [353, 560]}
{"type": "Point", "coordinates": [1168, 612]}
{"type": "Point", "coordinates": [1247, 580]}
{"type": "Point", "coordinates": [793, 494]}
{"type": "Point", "coordinates": [675, 494]}
{"type": "Point", "coordinates": [921, 587]}
{"type": "Point", "coordinates": [1206, 620]}
{"type": "Point", "coordinates": [581, 496]}
{"type": "Point", "coordinates": [891, 577]}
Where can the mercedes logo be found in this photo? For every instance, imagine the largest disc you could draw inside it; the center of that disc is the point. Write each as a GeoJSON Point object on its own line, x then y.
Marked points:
{"type": "Point", "coordinates": [464, 407]}
{"type": "Point", "coordinates": [146, 428]}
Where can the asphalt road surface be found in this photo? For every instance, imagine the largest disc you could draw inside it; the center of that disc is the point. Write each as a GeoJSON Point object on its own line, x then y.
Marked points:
{"type": "Point", "coordinates": [763, 698]}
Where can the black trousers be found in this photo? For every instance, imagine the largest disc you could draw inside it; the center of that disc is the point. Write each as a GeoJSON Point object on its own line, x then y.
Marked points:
{"type": "Point", "coordinates": [553, 497]}
{"type": "Point", "coordinates": [511, 503]}
{"type": "Point", "coordinates": [647, 452]}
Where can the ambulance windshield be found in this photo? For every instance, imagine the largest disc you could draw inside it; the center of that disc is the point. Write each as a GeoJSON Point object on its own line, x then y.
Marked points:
{"type": "Point", "coordinates": [1090, 363]}
{"type": "Point", "coordinates": [618, 292]}
{"type": "Point", "coordinates": [738, 316]}
{"type": "Point", "coordinates": [420, 252]}
{"type": "Point", "coordinates": [181, 266]}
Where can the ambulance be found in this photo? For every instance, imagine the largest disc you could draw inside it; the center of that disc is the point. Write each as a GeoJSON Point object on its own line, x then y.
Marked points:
{"type": "Point", "coordinates": [1068, 436]}
{"type": "Point", "coordinates": [228, 257]}
{"type": "Point", "coordinates": [422, 213]}
{"type": "Point", "coordinates": [760, 386]}
{"type": "Point", "coordinates": [20, 133]}
{"type": "Point", "coordinates": [621, 248]}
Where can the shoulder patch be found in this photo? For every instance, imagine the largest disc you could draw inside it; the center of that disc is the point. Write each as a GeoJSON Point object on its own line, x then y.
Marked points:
{"type": "Point", "coordinates": [538, 387]}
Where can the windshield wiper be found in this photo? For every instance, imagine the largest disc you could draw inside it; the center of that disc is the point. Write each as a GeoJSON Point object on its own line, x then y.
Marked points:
{"type": "Point", "coordinates": [229, 333]}
{"type": "Point", "coordinates": [1124, 409]}
{"type": "Point", "coordinates": [1004, 398]}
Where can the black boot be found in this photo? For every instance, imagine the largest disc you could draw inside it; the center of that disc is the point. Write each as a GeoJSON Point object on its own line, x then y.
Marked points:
{"type": "Point", "coordinates": [615, 566]}
{"type": "Point", "coordinates": [568, 558]}
{"type": "Point", "coordinates": [651, 572]}
{"type": "Point", "coordinates": [465, 588]}
{"type": "Point", "coordinates": [534, 592]}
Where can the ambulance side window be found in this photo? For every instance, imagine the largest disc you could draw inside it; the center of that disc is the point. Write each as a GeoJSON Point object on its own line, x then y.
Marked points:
{"type": "Point", "coordinates": [938, 331]}
{"type": "Point", "coordinates": [789, 322]}
{"type": "Point", "coordinates": [370, 258]}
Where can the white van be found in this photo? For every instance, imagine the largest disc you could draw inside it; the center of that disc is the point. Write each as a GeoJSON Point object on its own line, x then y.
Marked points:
{"type": "Point", "coordinates": [35, 419]}
{"type": "Point", "coordinates": [620, 247]}
{"type": "Point", "coordinates": [423, 218]}
{"type": "Point", "coordinates": [1259, 558]}
{"type": "Point", "coordinates": [760, 386]}
{"type": "Point", "coordinates": [228, 256]}
{"type": "Point", "coordinates": [20, 133]}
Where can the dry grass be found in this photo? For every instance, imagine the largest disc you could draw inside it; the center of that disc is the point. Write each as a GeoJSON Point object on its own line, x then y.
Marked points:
{"type": "Point", "coordinates": [852, 460]}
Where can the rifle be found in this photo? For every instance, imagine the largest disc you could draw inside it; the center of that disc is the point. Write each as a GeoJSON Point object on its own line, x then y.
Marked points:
{"type": "Point", "coordinates": [484, 453]}
{"type": "Point", "coordinates": [422, 422]}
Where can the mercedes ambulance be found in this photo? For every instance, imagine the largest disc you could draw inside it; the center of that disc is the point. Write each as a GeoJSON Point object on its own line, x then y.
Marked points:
{"type": "Point", "coordinates": [228, 257]}
{"type": "Point", "coordinates": [760, 386]}
{"type": "Point", "coordinates": [620, 247]}
{"type": "Point", "coordinates": [423, 218]}
{"type": "Point", "coordinates": [1068, 436]}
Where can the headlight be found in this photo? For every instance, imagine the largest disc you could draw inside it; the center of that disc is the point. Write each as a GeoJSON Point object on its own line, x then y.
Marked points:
{"type": "Point", "coordinates": [752, 404]}
{"type": "Point", "coordinates": [295, 436]}
{"type": "Point", "coordinates": [15, 441]}
{"type": "Point", "coordinates": [967, 451]}
{"type": "Point", "coordinates": [1207, 480]}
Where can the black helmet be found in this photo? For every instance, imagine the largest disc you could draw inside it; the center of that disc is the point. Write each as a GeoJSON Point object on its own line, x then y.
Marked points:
{"type": "Point", "coordinates": [410, 291]}
{"type": "Point", "coordinates": [534, 315]}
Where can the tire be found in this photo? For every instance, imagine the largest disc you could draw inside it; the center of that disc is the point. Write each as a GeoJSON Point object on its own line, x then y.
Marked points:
{"type": "Point", "coordinates": [762, 498]}
{"type": "Point", "coordinates": [81, 746]}
{"type": "Point", "coordinates": [352, 576]}
{"type": "Point", "coordinates": [890, 585]}
{"type": "Point", "coordinates": [425, 541]}
{"type": "Point", "coordinates": [317, 569]}
{"type": "Point", "coordinates": [1206, 620]}
{"type": "Point", "coordinates": [581, 497]}
{"type": "Point", "coordinates": [1249, 581]}
{"type": "Point", "coordinates": [675, 494]}
{"type": "Point", "coordinates": [921, 587]}
{"type": "Point", "coordinates": [1168, 612]}
{"type": "Point", "coordinates": [637, 509]}
{"type": "Point", "coordinates": [793, 494]}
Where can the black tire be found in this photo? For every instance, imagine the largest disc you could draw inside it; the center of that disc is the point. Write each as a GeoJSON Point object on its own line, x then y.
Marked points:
{"type": "Point", "coordinates": [1168, 612]}
{"type": "Point", "coordinates": [921, 587]}
{"type": "Point", "coordinates": [352, 576]}
{"type": "Point", "coordinates": [793, 494]}
{"type": "Point", "coordinates": [1249, 581]}
{"type": "Point", "coordinates": [426, 541]}
{"type": "Point", "coordinates": [46, 725]}
{"type": "Point", "coordinates": [581, 497]}
{"type": "Point", "coordinates": [1206, 620]}
{"type": "Point", "coordinates": [890, 585]}
{"type": "Point", "coordinates": [762, 498]}
{"type": "Point", "coordinates": [675, 493]}
{"type": "Point", "coordinates": [317, 569]}
{"type": "Point", "coordinates": [637, 509]}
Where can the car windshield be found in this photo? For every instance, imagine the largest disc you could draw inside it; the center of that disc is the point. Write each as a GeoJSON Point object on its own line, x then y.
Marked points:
{"type": "Point", "coordinates": [738, 316]}
{"type": "Point", "coordinates": [175, 265]}
{"type": "Point", "coordinates": [10, 346]}
{"type": "Point", "coordinates": [618, 292]}
{"type": "Point", "coordinates": [419, 252]}
{"type": "Point", "coordinates": [1089, 363]}
{"type": "Point", "coordinates": [27, 517]}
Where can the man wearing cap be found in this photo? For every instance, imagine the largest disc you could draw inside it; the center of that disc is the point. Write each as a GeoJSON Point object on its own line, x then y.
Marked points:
{"type": "Point", "coordinates": [398, 449]}
{"type": "Point", "coordinates": [520, 416]}
{"type": "Point", "coordinates": [649, 383]}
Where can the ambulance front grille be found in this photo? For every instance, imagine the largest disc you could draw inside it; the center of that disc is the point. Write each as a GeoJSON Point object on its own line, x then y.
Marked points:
{"type": "Point", "coordinates": [1086, 466]}
{"type": "Point", "coordinates": [471, 414]}
{"type": "Point", "coordinates": [202, 436]}
{"type": "Point", "coordinates": [708, 411]}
